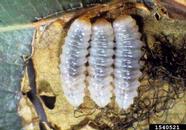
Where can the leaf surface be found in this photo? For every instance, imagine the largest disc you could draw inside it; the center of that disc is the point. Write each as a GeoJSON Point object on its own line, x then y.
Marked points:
{"type": "Point", "coordinates": [27, 11]}
{"type": "Point", "coordinates": [13, 45]}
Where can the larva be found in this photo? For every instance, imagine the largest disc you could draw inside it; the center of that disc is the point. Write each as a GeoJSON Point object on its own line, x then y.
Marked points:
{"type": "Point", "coordinates": [127, 56]}
{"type": "Point", "coordinates": [100, 62]}
{"type": "Point", "coordinates": [73, 61]}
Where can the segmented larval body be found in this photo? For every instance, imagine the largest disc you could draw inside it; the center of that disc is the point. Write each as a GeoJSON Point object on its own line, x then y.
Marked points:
{"type": "Point", "coordinates": [100, 62]}
{"type": "Point", "coordinates": [73, 61]}
{"type": "Point", "coordinates": [127, 56]}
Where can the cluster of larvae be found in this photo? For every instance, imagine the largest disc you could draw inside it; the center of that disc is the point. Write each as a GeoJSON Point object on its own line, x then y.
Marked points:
{"type": "Point", "coordinates": [109, 53]}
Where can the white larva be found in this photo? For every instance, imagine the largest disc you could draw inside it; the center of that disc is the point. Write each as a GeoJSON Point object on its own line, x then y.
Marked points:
{"type": "Point", "coordinates": [127, 56]}
{"type": "Point", "coordinates": [100, 62]}
{"type": "Point", "coordinates": [73, 59]}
